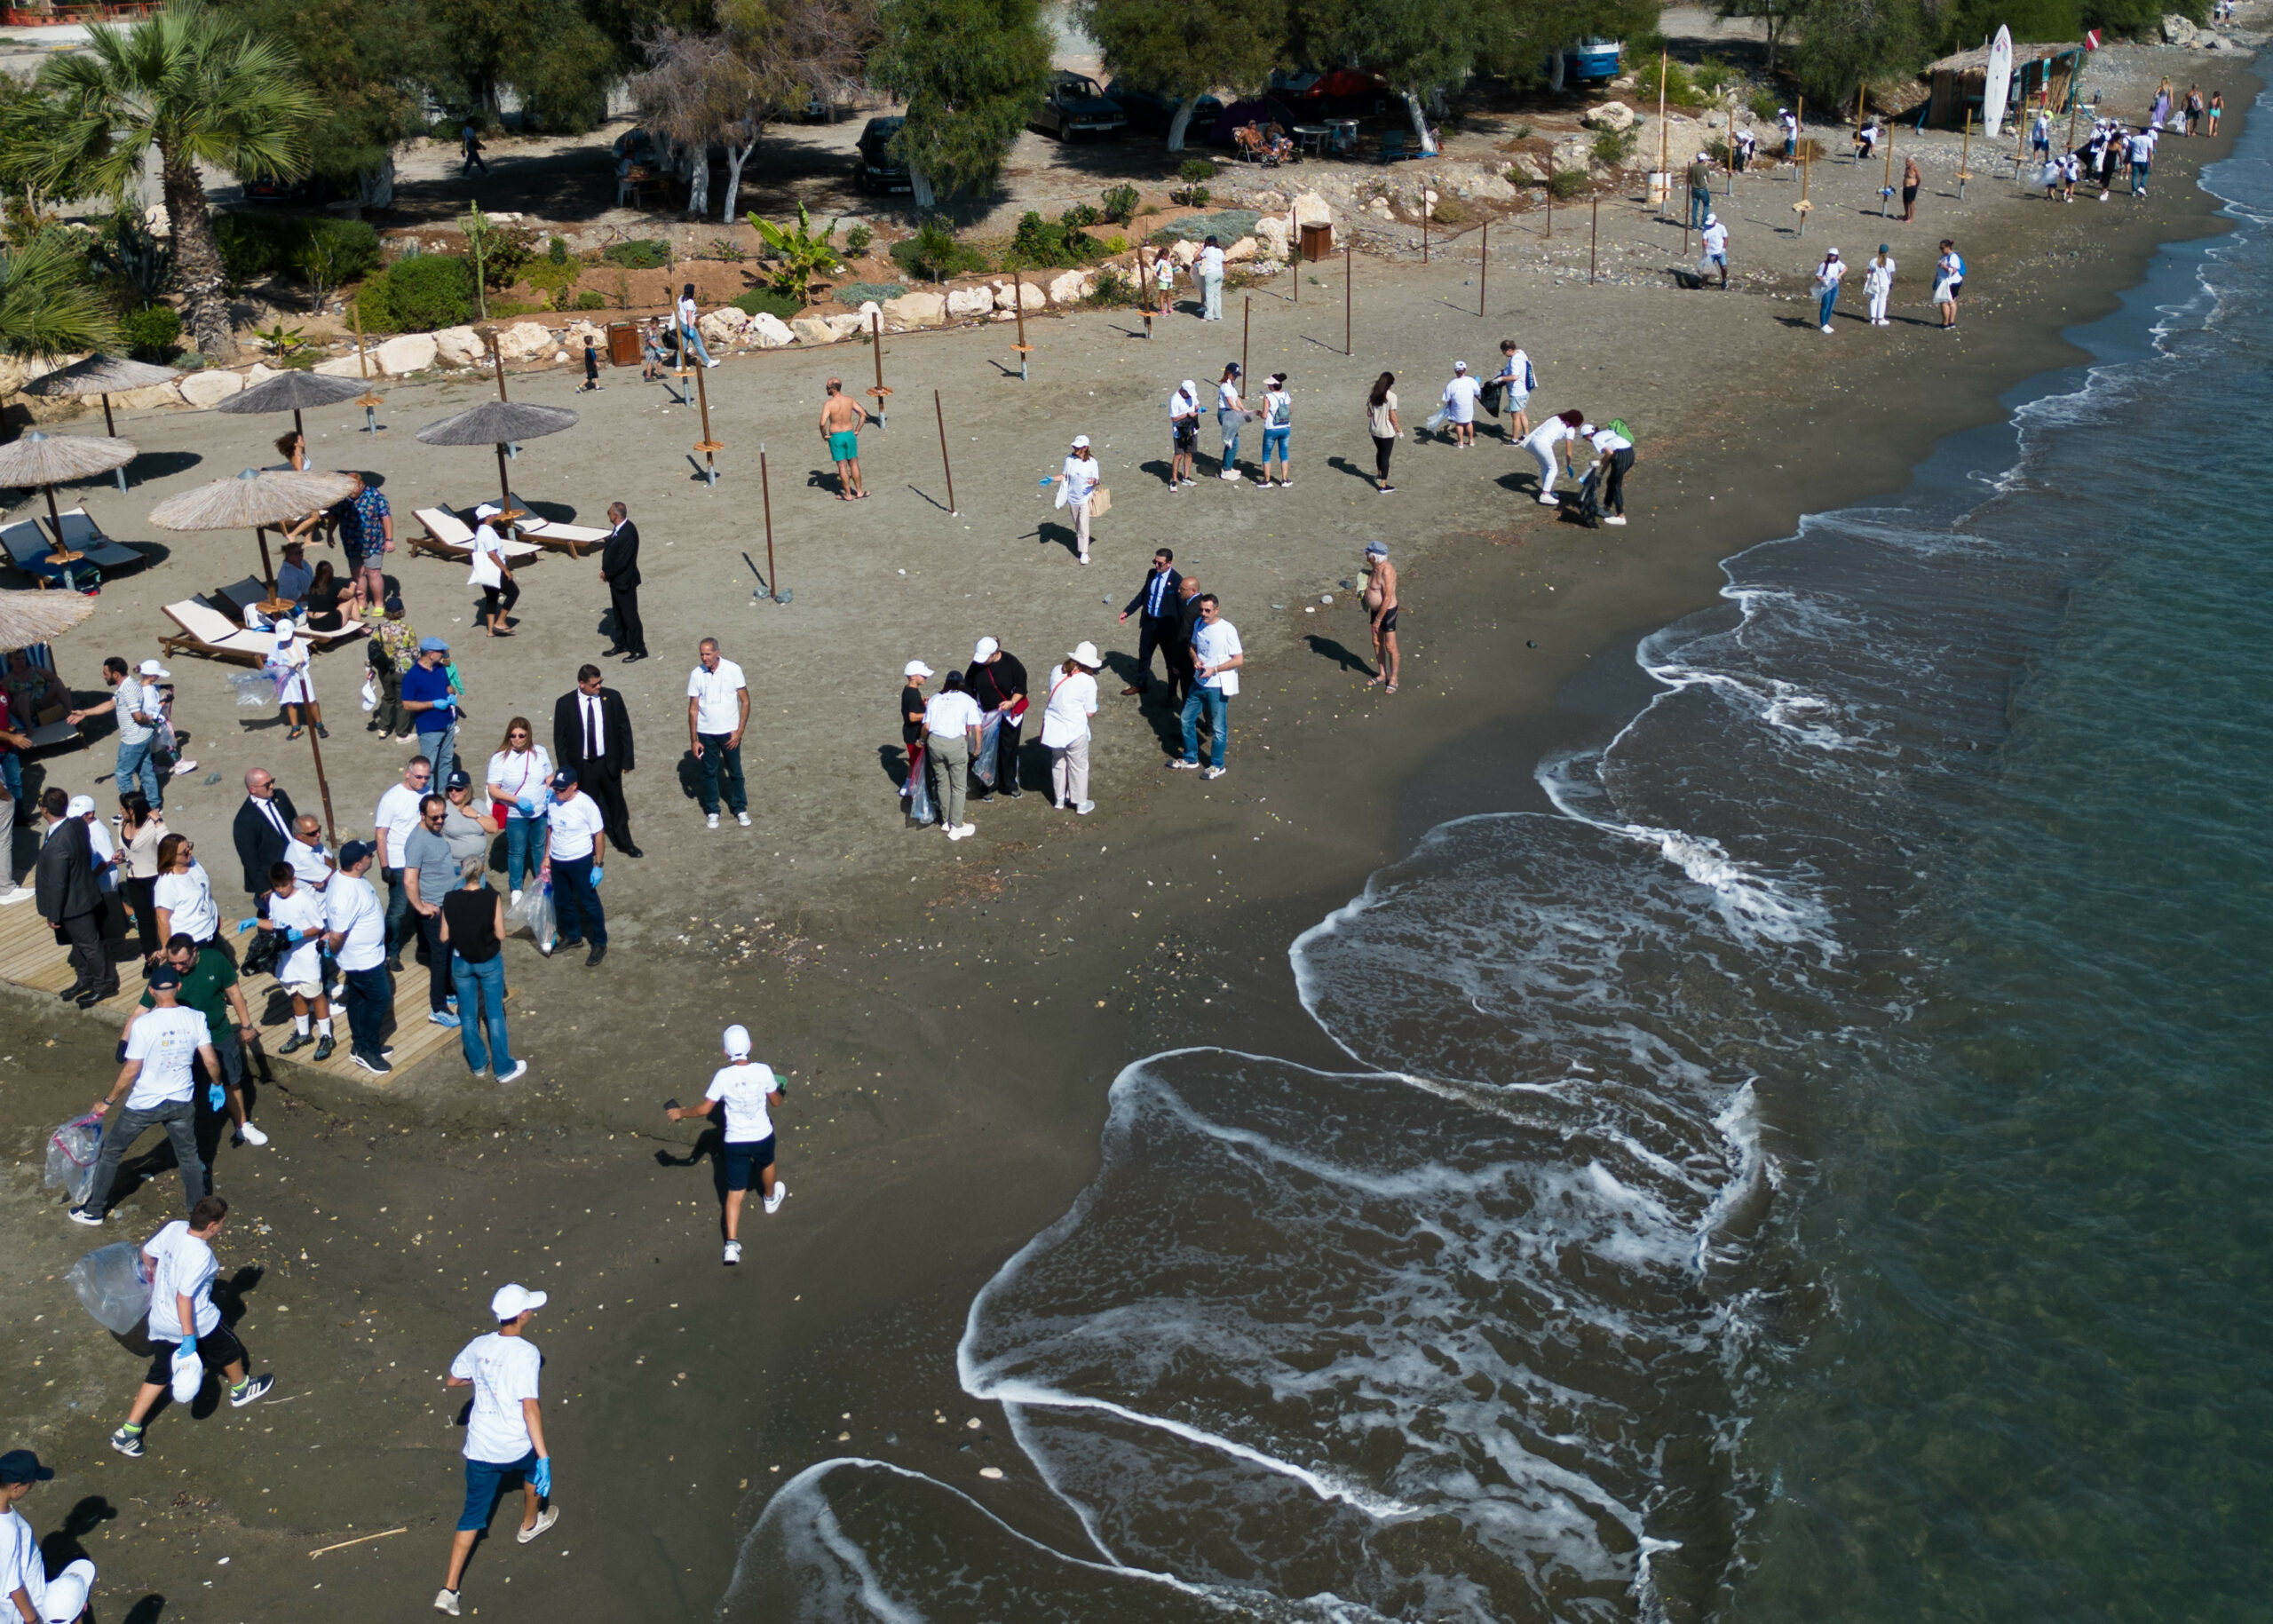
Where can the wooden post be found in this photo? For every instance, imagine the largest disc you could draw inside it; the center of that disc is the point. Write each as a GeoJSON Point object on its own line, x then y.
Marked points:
{"type": "Point", "coordinates": [1483, 267]}
{"type": "Point", "coordinates": [1018, 303]}
{"type": "Point", "coordinates": [939, 412]}
{"type": "Point", "coordinates": [1965, 157]}
{"type": "Point", "coordinates": [1664, 56]}
{"type": "Point", "coordinates": [2074, 73]}
{"type": "Point", "coordinates": [765, 496]}
{"type": "Point", "coordinates": [1349, 297]}
{"type": "Point", "coordinates": [1886, 190]}
{"type": "Point", "coordinates": [259, 534]}
{"type": "Point", "coordinates": [880, 392]}
{"type": "Point", "coordinates": [709, 447]}
{"type": "Point", "coordinates": [1858, 114]}
{"type": "Point", "coordinates": [323, 787]}
{"type": "Point", "coordinates": [1804, 194]}
{"type": "Point", "coordinates": [1594, 239]}
{"type": "Point", "coordinates": [1424, 222]}
{"type": "Point", "coordinates": [1144, 303]}
{"type": "Point", "coordinates": [1247, 319]}
{"type": "Point", "coordinates": [1550, 207]}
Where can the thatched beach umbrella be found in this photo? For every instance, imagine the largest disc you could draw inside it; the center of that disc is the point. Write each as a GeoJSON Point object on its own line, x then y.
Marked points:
{"type": "Point", "coordinates": [31, 618]}
{"type": "Point", "coordinates": [257, 499]}
{"type": "Point", "coordinates": [45, 460]}
{"type": "Point", "coordinates": [293, 392]}
{"type": "Point", "coordinates": [105, 375]}
{"type": "Point", "coordinates": [499, 423]}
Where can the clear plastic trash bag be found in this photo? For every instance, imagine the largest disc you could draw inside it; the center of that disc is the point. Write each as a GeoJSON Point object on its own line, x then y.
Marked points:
{"type": "Point", "coordinates": [111, 1286]}
{"type": "Point", "coordinates": [71, 1153]}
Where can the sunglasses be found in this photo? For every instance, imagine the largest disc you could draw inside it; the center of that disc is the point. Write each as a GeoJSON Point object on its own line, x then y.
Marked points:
{"type": "Point", "coordinates": [516, 735]}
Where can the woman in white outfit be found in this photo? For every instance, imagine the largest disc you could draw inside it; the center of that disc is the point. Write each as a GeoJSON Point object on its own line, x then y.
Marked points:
{"type": "Point", "coordinates": [521, 787]}
{"type": "Point", "coordinates": [1878, 281]}
{"type": "Point", "coordinates": [1517, 380]}
{"type": "Point", "coordinates": [294, 684]}
{"type": "Point", "coordinates": [1541, 443]}
{"type": "Point", "coordinates": [1065, 726]}
{"type": "Point", "coordinates": [1077, 483]}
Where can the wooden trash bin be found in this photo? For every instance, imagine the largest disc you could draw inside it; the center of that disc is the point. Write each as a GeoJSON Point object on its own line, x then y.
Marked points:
{"type": "Point", "coordinates": [1317, 241]}
{"type": "Point", "coordinates": [622, 344]}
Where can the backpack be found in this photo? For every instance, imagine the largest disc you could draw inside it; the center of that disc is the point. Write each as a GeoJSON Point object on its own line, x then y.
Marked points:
{"type": "Point", "coordinates": [1283, 413]}
{"type": "Point", "coordinates": [1617, 426]}
{"type": "Point", "coordinates": [1530, 379]}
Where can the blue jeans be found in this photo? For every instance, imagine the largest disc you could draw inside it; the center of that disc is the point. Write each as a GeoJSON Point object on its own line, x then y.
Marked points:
{"type": "Point", "coordinates": [720, 761]}
{"type": "Point", "coordinates": [135, 761]}
{"type": "Point", "coordinates": [1830, 299]}
{"type": "Point", "coordinates": [11, 774]}
{"type": "Point", "coordinates": [1229, 422]}
{"type": "Point", "coordinates": [1275, 442]}
{"type": "Point", "coordinates": [2138, 178]}
{"type": "Point", "coordinates": [1701, 204]}
{"type": "Point", "coordinates": [691, 338]}
{"type": "Point", "coordinates": [524, 849]}
{"type": "Point", "coordinates": [370, 999]}
{"type": "Point", "coordinates": [440, 747]}
{"type": "Point", "coordinates": [1218, 724]}
{"type": "Point", "coordinates": [576, 903]}
{"type": "Point", "coordinates": [481, 1003]}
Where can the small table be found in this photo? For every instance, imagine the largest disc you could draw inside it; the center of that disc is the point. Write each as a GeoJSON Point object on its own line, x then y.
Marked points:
{"type": "Point", "coordinates": [1344, 138]}
{"type": "Point", "coordinates": [1311, 137]}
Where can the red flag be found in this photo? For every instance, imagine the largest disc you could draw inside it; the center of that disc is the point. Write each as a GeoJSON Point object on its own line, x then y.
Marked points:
{"type": "Point", "coordinates": [2091, 39]}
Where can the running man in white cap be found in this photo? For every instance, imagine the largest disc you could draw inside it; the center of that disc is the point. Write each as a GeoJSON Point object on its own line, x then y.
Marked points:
{"type": "Point", "coordinates": [746, 1088]}
{"type": "Point", "coordinates": [504, 1433]}
{"type": "Point", "coordinates": [1460, 398]}
{"type": "Point", "coordinates": [1077, 482]}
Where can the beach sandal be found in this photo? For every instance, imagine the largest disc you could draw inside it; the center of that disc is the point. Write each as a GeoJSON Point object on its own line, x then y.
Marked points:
{"type": "Point", "coordinates": [1392, 688]}
{"type": "Point", "coordinates": [296, 732]}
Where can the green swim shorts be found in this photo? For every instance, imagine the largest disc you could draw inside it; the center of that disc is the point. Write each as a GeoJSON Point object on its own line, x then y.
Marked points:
{"type": "Point", "coordinates": [843, 446]}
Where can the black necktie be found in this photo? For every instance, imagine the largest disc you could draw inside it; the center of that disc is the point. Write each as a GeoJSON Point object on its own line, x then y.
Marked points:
{"type": "Point", "coordinates": [592, 729]}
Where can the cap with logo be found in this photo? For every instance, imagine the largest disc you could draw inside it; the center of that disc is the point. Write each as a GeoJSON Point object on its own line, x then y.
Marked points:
{"type": "Point", "coordinates": [511, 1301]}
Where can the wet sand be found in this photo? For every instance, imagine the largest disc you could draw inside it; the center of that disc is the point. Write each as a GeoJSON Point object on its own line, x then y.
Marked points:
{"type": "Point", "coordinates": [951, 1015]}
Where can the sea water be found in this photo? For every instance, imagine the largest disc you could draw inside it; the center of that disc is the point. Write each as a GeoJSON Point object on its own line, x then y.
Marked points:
{"type": "Point", "coordinates": [1818, 1172]}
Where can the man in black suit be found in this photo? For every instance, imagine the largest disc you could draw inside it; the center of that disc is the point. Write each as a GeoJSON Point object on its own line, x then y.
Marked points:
{"type": "Point", "coordinates": [619, 569]}
{"type": "Point", "coordinates": [592, 731]}
{"type": "Point", "coordinates": [262, 830]}
{"type": "Point", "coordinates": [1178, 656]}
{"type": "Point", "coordinates": [71, 900]}
{"type": "Point", "coordinates": [1157, 610]}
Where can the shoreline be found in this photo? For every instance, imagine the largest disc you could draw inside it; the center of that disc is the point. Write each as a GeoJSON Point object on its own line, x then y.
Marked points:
{"type": "Point", "coordinates": [923, 1157]}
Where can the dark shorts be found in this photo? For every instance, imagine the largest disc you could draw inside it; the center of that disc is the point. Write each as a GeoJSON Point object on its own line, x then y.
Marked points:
{"type": "Point", "coordinates": [483, 1479]}
{"type": "Point", "coordinates": [219, 1348]}
{"type": "Point", "coordinates": [745, 1162]}
{"type": "Point", "coordinates": [1187, 435]}
{"type": "Point", "coordinates": [1909, 195]}
{"type": "Point", "coordinates": [1385, 622]}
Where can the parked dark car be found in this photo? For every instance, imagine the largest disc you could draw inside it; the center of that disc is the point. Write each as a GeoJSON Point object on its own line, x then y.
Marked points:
{"type": "Point", "coordinates": [873, 167]}
{"type": "Point", "coordinates": [1074, 106]}
{"type": "Point", "coordinates": [1150, 113]}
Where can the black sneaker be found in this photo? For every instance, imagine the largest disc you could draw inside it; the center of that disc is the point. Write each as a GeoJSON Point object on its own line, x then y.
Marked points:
{"type": "Point", "coordinates": [598, 952]}
{"type": "Point", "coordinates": [567, 942]}
{"type": "Point", "coordinates": [379, 1064]}
{"type": "Point", "coordinates": [324, 1047]}
{"type": "Point", "coordinates": [129, 1443]}
{"type": "Point", "coordinates": [292, 1045]}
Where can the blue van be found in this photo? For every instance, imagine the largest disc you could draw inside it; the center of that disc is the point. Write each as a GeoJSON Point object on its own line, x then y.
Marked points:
{"type": "Point", "coordinates": [1587, 62]}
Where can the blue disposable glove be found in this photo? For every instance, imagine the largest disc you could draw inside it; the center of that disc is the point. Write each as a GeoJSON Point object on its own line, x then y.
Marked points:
{"type": "Point", "coordinates": [213, 1096]}
{"type": "Point", "coordinates": [543, 1477]}
{"type": "Point", "coordinates": [189, 1344]}
{"type": "Point", "coordinates": [599, 874]}
{"type": "Point", "coordinates": [526, 807]}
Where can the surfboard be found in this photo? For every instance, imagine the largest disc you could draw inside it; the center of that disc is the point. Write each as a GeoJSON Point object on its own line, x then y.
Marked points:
{"type": "Point", "coordinates": [1998, 84]}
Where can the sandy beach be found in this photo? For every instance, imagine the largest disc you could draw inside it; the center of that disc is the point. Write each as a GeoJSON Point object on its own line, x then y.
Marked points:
{"type": "Point", "coordinates": [949, 1016]}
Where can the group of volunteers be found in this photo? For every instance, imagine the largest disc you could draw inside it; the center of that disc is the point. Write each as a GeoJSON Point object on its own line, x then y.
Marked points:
{"type": "Point", "coordinates": [1878, 284]}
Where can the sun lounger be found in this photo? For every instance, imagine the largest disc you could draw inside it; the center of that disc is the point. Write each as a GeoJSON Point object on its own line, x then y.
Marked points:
{"type": "Point", "coordinates": [81, 534]}
{"type": "Point", "coordinates": [206, 631]}
{"type": "Point", "coordinates": [234, 601]}
{"type": "Point", "coordinates": [448, 536]}
{"type": "Point", "coordinates": [555, 533]}
{"type": "Point", "coordinates": [26, 541]}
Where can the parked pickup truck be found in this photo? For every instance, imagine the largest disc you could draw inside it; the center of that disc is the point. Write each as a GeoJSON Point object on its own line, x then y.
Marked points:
{"type": "Point", "coordinates": [1074, 106]}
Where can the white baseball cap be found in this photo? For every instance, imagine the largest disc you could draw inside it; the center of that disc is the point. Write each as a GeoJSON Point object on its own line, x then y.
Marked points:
{"type": "Point", "coordinates": [987, 648]}
{"type": "Point", "coordinates": [1460, 365]}
{"type": "Point", "coordinates": [1085, 652]}
{"type": "Point", "coordinates": [487, 509]}
{"type": "Point", "coordinates": [511, 1301]}
{"type": "Point", "coordinates": [736, 1042]}
{"type": "Point", "coordinates": [80, 806]}
{"type": "Point", "coordinates": [1080, 443]}
{"type": "Point", "coordinates": [916, 668]}
{"type": "Point", "coordinates": [151, 668]}
{"type": "Point", "coordinates": [283, 631]}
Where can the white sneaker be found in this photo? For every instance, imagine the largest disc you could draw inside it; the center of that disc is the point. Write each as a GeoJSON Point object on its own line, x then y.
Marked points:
{"type": "Point", "coordinates": [1084, 808]}
{"type": "Point", "coordinates": [733, 1252]}
{"type": "Point", "coordinates": [550, 1514]}
{"type": "Point", "coordinates": [967, 830]}
{"type": "Point", "coordinates": [710, 822]}
{"type": "Point", "coordinates": [1230, 474]}
{"type": "Point", "coordinates": [15, 894]}
{"type": "Point", "coordinates": [1827, 327]}
{"type": "Point", "coordinates": [742, 818]}
{"type": "Point", "coordinates": [520, 1070]}
{"type": "Point", "coordinates": [780, 1194]}
{"type": "Point", "coordinates": [1548, 499]}
{"type": "Point", "coordinates": [446, 1601]}
{"type": "Point", "coordinates": [1215, 773]}
{"type": "Point", "coordinates": [516, 900]}
{"type": "Point", "coordinates": [951, 833]}
{"type": "Point", "coordinates": [709, 363]}
{"type": "Point", "coordinates": [252, 1136]}
{"type": "Point", "coordinates": [1182, 765]}
{"type": "Point", "coordinates": [1613, 519]}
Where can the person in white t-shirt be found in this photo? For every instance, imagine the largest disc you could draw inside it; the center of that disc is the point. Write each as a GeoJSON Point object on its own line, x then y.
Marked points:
{"type": "Point", "coordinates": [952, 721]}
{"type": "Point", "coordinates": [179, 1260]}
{"type": "Point", "coordinates": [575, 855]}
{"type": "Point", "coordinates": [1210, 266]}
{"type": "Point", "coordinates": [1077, 486]}
{"type": "Point", "coordinates": [1217, 657]}
{"type": "Point", "coordinates": [392, 826]}
{"type": "Point", "coordinates": [1517, 378]}
{"type": "Point", "coordinates": [498, 596]}
{"type": "Point", "coordinates": [24, 1580]}
{"type": "Point", "coordinates": [746, 1091]}
{"type": "Point", "coordinates": [355, 927]}
{"type": "Point", "coordinates": [183, 896]}
{"type": "Point", "coordinates": [156, 1084]}
{"type": "Point", "coordinates": [1066, 727]}
{"type": "Point", "coordinates": [1878, 281]}
{"type": "Point", "coordinates": [1460, 398]}
{"type": "Point", "coordinates": [1231, 417]}
{"type": "Point", "coordinates": [295, 912]}
{"type": "Point", "coordinates": [504, 1430]}
{"type": "Point", "coordinates": [1184, 433]}
{"type": "Point", "coordinates": [1716, 249]}
{"type": "Point", "coordinates": [717, 710]}
{"type": "Point", "coordinates": [1827, 278]}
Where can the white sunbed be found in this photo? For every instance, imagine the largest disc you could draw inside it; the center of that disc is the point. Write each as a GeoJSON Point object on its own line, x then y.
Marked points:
{"type": "Point", "coordinates": [448, 536]}
{"type": "Point", "coordinates": [206, 631]}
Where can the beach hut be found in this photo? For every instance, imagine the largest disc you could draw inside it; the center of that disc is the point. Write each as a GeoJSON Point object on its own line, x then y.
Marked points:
{"type": "Point", "coordinates": [2043, 75]}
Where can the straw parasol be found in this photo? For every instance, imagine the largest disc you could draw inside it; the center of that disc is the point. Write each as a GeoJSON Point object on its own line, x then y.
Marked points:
{"type": "Point", "coordinates": [256, 498]}
{"type": "Point", "coordinates": [45, 460]}
{"type": "Point", "coordinates": [100, 374]}
{"type": "Point", "coordinates": [499, 423]}
{"type": "Point", "coordinates": [28, 618]}
{"type": "Point", "coordinates": [293, 392]}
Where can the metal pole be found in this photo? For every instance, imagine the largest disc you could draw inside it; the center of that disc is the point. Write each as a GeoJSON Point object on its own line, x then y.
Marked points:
{"type": "Point", "coordinates": [1550, 207]}
{"type": "Point", "coordinates": [1348, 296]}
{"type": "Point", "coordinates": [709, 447]}
{"type": "Point", "coordinates": [1019, 301]}
{"type": "Point", "coordinates": [370, 399]}
{"type": "Point", "coordinates": [879, 392]}
{"type": "Point", "coordinates": [1664, 57]}
{"type": "Point", "coordinates": [765, 495]}
{"type": "Point", "coordinates": [323, 787]}
{"type": "Point", "coordinates": [1247, 319]}
{"type": "Point", "coordinates": [1595, 238]}
{"type": "Point", "coordinates": [941, 415]}
{"type": "Point", "coordinates": [1424, 222]}
{"type": "Point", "coordinates": [1483, 267]}
{"type": "Point", "coordinates": [1965, 157]}
{"type": "Point", "coordinates": [111, 429]}
{"type": "Point", "coordinates": [1886, 190]}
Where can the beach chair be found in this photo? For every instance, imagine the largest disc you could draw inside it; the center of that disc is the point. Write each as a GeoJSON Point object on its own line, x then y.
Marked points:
{"type": "Point", "coordinates": [551, 533]}
{"type": "Point", "coordinates": [1393, 147]}
{"type": "Point", "coordinates": [79, 533]}
{"type": "Point", "coordinates": [448, 536]}
{"type": "Point", "coordinates": [26, 543]}
{"type": "Point", "coordinates": [234, 600]}
{"type": "Point", "coordinates": [206, 631]}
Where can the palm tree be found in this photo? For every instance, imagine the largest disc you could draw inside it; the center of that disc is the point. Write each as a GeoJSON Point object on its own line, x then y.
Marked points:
{"type": "Point", "coordinates": [46, 305]}
{"type": "Point", "coordinates": [199, 89]}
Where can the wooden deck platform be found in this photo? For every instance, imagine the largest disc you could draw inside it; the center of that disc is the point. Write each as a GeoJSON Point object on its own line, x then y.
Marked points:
{"type": "Point", "coordinates": [29, 958]}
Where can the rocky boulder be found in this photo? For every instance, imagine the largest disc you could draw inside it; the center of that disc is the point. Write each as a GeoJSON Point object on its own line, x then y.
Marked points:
{"type": "Point", "coordinates": [524, 341]}
{"type": "Point", "coordinates": [1072, 288]}
{"type": "Point", "coordinates": [203, 389]}
{"type": "Point", "coordinates": [967, 303]}
{"type": "Point", "coordinates": [1007, 296]}
{"type": "Point", "coordinates": [845, 326]}
{"type": "Point", "coordinates": [770, 332]}
{"type": "Point", "coordinates": [143, 399]}
{"type": "Point", "coordinates": [723, 328]}
{"type": "Point", "coordinates": [812, 329]}
{"type": "Point", "coordinates": [1609, 115]}
{"type": "Point", "coordinates": [406, 354]}
{"type": "Point", "coordinates": [339, 366]}
{"type": "Point", "coordinates": [1183, 251]}
{"type": "Point", "coordinates": [1271, 236]}
{"type": "Point", "coordinates": [1242, 249]}
{"type": "Point", "coordinates": [460, 346]}
{"type": "Point", "coordinates": [914, 310]}
{"type": "Point", "coordinates": [1309, 209]}
{"type": "Point", "coordinates": [2177, 30]}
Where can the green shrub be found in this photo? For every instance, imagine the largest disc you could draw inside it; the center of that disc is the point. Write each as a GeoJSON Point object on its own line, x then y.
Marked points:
{"type": "Point", "coordinates": [1193, 171]}
{"type": "Point", "coordinates": [1613, 148]}
{"type": "Point", "coordinates": [1042, 244]}
{"type": "Point", "coordinates": [859, 240]}
{"type": "Point", "coordinates": [1079, 215]}
{"type": "Point", "coordinates": [727, 249]}
{"type": "Point", "coordinates": [1113, 288]}
{"type": "Point", "coordinates": [1121, 204]}
{"type": "Point", "coordinates": [557, 250]}
{"type": "Point", "coordinates": [1764, 106]}
{"type": "Point", "coordinates": [1568, 184]}
{"type": "Point", "coordinates": [1714, 75]}
{"type": "Point", "coordinates": [934, 251]}
{"type": "Point", "coordinates": [150, 332]}
{"type": "Point", "coordinates": [591, 298]}
{"type": "Point", "coordinates": [639, 254]}
{"type": "Point", "coordinates": [418, 295]}
{"type": "Point", "coordinates": [1680, 90]}
{"type": "Point", "coordinates": [857, 293]}
{"type": "Point", "coordinates": [551, 276]}
{"type": "Point", "coordinates": [767, 302]}
{"type": "Point", "coordinates": [257, 245]}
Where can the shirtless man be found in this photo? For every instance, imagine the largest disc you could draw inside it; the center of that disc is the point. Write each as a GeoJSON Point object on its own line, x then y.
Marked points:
{"type": "Point", "coordinates": [841, 418]}
{"type": "Point", "coordinates": [1380, 609]}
